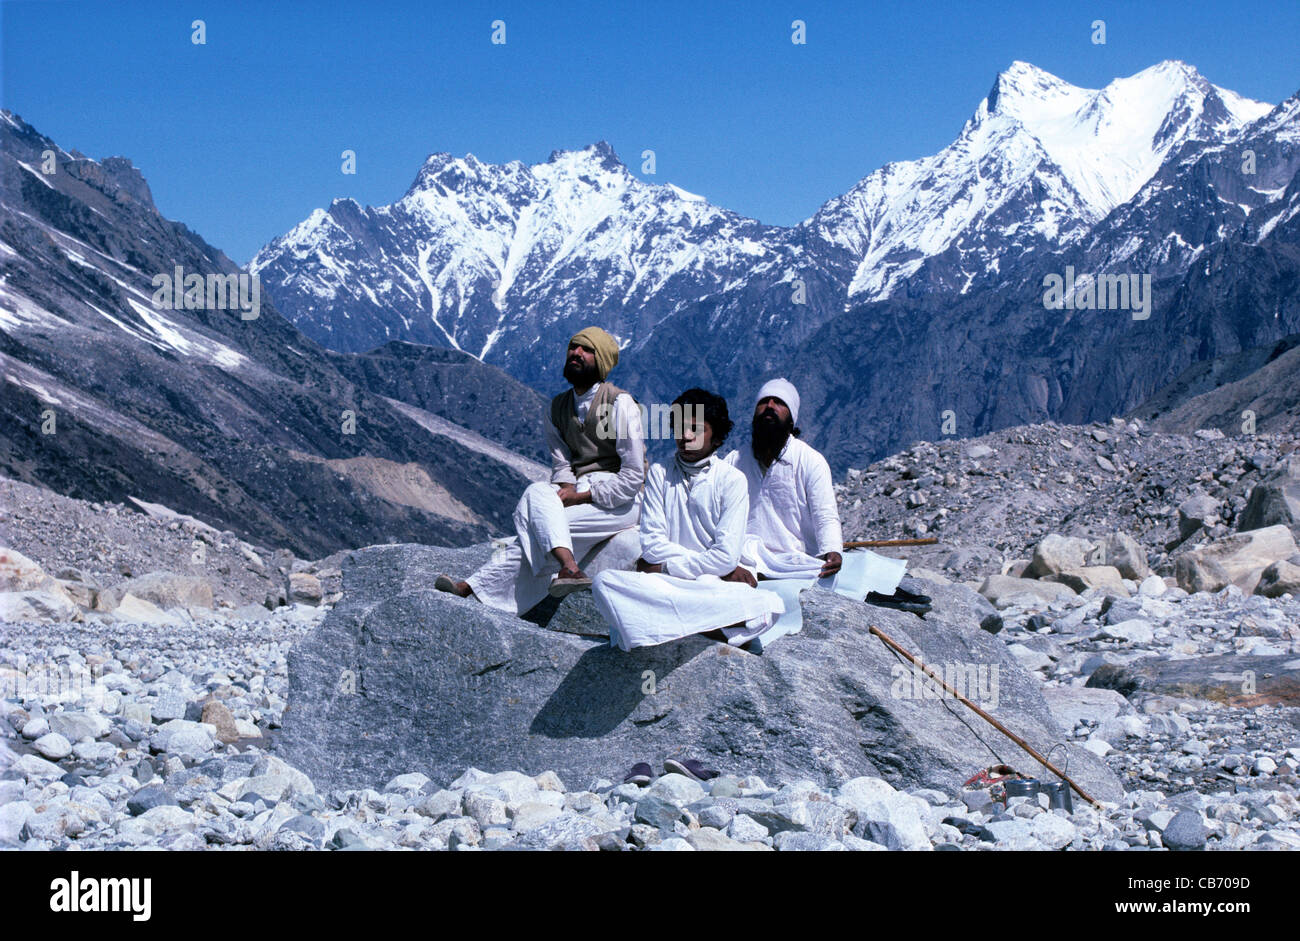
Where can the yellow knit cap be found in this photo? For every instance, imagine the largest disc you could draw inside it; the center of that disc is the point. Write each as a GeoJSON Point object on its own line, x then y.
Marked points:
{"type": "Point", "coordinates": [602, 344]}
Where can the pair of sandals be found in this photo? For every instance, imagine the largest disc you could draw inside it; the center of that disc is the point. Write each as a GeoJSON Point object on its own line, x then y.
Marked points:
{"type": "Point", "coordinates": [641, 773]}
{"type": "Point", "coordinates": [903, 600]}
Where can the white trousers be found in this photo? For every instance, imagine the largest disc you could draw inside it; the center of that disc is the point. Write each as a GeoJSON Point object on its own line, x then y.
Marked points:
{"type": "Point", "coordinates": [645, 608]}
{"type": "Point", "coordinates": [518, 576]}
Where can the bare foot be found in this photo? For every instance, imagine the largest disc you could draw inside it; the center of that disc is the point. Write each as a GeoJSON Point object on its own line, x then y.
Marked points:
{"type": "Point", "coordinates": [447, 584]}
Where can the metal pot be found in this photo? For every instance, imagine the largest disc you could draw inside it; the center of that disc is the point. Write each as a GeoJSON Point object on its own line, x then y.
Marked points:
{"type": "Point", "coordinates": [1028, 787]}
{"type": "Point", "coordinates": [1058, 796]}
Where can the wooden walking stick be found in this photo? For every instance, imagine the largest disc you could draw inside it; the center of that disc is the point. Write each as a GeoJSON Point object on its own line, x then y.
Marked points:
{"type": "Point", "coordinates": [985, 716]}
{"type": "Point", "coordinates": [875, 543]}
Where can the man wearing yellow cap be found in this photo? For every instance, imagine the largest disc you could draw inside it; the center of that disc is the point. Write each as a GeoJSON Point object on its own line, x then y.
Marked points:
{"type": "Point", "coordinates": [597, 445]}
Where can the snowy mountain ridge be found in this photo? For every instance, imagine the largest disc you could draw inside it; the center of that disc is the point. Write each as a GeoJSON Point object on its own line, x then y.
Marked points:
{"type": "Point", "coordinates": [486, 258]}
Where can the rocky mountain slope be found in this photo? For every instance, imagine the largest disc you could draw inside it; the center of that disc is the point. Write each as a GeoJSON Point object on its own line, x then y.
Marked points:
{"type": "Point", "coordinates": [1218, 393]}
{"type": "Point", "coordinates": [458, 387]}
{"type": "Point", "coordinates": [239, 422]}
{"type": "Point", "coordinates": [991, 499]}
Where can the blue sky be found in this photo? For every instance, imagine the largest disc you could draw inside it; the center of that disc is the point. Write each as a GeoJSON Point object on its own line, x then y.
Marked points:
{"type": "Point", "coordinates": [241, 138]}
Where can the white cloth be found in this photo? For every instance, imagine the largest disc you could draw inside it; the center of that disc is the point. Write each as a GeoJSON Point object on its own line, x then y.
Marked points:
{"type": "Point", "coordinates": [518, 576]}
{"type": "Point", "coordinates": [784, 390]}
{"type": "Point", "coordinates": [862, 571]}
{"type": "Point", "coordinates": [607, 490]}
{"type": "Point", "coordinates": [693, 523]}
{"type": "Point", "coordinates": [794, 519]}
{"type": "Point", "coordinates": [582, 403]}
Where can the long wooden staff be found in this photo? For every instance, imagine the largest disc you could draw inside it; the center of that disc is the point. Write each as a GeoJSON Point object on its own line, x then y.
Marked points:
{"type": "Point", "coordinates": [875, 543]}
{"type": "Point", "coordinates": [985, 716]}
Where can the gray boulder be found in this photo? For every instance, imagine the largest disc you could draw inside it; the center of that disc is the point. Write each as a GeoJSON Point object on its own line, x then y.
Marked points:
{"type": "Point", "coordinates": [400, 677]}
{"type": "Point", "coordinates": [1004, 590]}
{"type": "Point", "coordinates": [1124, 552]}
{"type": "Point", "coordinates": [1275, 501]}
{"type": "Point", "coordinates": [1238, 559]}
{"type": "Point", "coordinates": [1196, 511]}
{"type": "Point", "coordinates": [303, 588]}
{"type": "Point", "coordinates": [164, 589]}
{"type": "Point", "coordinates": [1056, 553]}
{"type": "Point", "coordinates": [1280, 578]}
{"type": "Point", "coordinates": [1071, 705]}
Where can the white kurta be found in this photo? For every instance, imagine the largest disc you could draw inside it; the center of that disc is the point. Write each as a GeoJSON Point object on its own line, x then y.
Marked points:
{"type": "Point", "coordinates": [694, 525]}
{"type": "Point", "coordinates": [794, 519]}
{"type": "Point", "coordinates": [518, 576]}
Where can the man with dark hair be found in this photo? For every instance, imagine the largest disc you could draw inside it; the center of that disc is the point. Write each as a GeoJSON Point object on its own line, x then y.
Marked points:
{"type": "Point", "coordinates": [597, 446]}
{"type": "Point", "coordinates": [793, 535]}
{"type": "Point", "coordinates": [692, 531]}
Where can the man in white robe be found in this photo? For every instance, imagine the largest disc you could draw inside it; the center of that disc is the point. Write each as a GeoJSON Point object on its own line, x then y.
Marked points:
{"type": "Point", "coordinates": [793, 535]}
{"type": "Point", "coordinates": [692, 532]}
{"type": "Point", "coordinates": [597, 445]}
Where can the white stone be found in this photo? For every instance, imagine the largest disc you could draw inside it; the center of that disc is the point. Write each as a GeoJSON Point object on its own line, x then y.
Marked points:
{"type": "Point", "coordinates": [486, 810]}
{"type": "Point", "coordinates": [745, 829]}
{"type": "Point", "coordinates": [531, 815]}
{"type": "Point", "coordinates": [53, 746]}
{"type": "Point", "coordinates": [858, 792]}
{"type": "Point", "coordinates": [1098, 747]}
{"type": "Point", "coordinates": [900, 813]}
{"type": "Point", "coordinates": [673, 844]}
{"type": "Point", "coordinates": [34, 766]}
{"type": "Point", "coordinates": [408, 783]}
{"type": "Point", "coordinates": [94, 751]}
{"type": "Point", "coordinates": [676, 789]}
{"type": "Point", "coordinates": [12, 817]}
{"type": "Point", "coordinates": [75, 726]}
{"type": "Point", "coordinates": [1153, 586]}
{"type": "Point", "coordinates": [1132, 631]}
{"type": "Point", "coordinates": [1052, 831]}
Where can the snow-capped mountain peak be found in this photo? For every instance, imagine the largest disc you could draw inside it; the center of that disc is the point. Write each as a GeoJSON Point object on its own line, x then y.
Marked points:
{"type": "Point", "coordinates": [1108, 142]}
{"type": "Point", "coordinates": [1038, 164]}
{"type": "Point", "coordinates": [471, 245]}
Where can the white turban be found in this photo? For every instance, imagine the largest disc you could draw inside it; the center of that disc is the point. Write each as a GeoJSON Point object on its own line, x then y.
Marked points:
{"type": "Point", "coordinates": [784, 390]}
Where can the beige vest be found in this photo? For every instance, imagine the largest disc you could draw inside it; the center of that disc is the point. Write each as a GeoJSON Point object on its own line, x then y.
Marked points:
{"type": "Point", "coordinates": [588, 451]}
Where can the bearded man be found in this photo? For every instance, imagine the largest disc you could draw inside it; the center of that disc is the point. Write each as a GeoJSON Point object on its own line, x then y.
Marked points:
{"type": "Point", "coordinates": [597, 445]}
{"type": "Point", "coordinates": [793, 535]}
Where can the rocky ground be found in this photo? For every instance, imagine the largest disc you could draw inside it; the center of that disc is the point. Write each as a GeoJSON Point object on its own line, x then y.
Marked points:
{"type": "Point", "coordinates": [99, 545]}
{"type": "Point", "coordinates": [138, 710]}
{"type": "Point", "coordinates": [994, 497]}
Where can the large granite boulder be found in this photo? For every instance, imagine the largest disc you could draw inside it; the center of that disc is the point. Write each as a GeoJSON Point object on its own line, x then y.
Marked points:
{"type": "Point", "coordinates": [1236, 559]}
{"type": "Point", "coordinates": [1056, 553]}
{"type": "Point", "coordinates": [164, 589]}
{"type": "Point", "coordinates": [1275, 501]}
{"type": "Point", "coordinates": [400, 677]}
